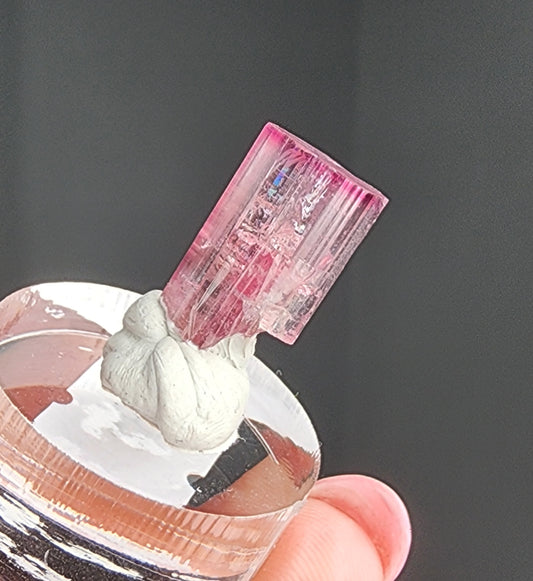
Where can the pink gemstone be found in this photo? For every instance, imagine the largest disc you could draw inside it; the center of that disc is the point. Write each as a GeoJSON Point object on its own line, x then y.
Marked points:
{"type": "Point", "coordinates": [278, 238]}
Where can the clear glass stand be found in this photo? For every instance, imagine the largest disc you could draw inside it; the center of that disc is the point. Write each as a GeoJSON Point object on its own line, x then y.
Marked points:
{"type": "Point", "coordinates": [90, 490]}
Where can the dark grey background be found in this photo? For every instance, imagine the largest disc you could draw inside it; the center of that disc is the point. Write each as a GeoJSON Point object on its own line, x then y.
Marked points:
{"type": "Point", "coordinates": [123, 122]}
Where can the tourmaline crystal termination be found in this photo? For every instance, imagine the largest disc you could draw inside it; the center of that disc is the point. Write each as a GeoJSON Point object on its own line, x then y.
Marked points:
{"type": "Point", "coordinates": [274, 244]}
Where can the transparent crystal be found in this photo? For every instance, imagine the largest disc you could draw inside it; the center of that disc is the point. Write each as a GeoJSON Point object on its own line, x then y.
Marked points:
{"type": "Point", "coordinates": [274, 244]}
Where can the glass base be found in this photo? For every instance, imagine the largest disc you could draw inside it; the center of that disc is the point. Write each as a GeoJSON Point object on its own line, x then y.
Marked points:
{"type": "Point", "coordinates": [73, 497]}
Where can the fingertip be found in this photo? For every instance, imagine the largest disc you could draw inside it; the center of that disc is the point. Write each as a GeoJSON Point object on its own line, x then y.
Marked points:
{"type": "Point", "coordinates": [377, 509]}
{"type": "Point", "coordinates": [321, 543]}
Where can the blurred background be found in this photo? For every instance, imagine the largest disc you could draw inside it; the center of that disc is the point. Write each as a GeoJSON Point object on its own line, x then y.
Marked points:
{"type": "Point", "coordinates": [123, 121]}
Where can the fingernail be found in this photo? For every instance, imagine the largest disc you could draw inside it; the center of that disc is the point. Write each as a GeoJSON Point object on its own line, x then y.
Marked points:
{"type": "Point", "coordinates": [378, 510]}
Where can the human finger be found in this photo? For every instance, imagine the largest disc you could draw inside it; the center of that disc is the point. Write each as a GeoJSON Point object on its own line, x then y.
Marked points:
{"type": "Point", "coordinates": [352, 528]}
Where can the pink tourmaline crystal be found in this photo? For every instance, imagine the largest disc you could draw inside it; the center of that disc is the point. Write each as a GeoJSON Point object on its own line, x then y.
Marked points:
{"type": "Point", "coordinates": [274, 244]}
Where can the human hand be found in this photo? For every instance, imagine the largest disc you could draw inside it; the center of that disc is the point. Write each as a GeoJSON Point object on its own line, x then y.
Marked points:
{"type": "Point", "coordinates": [351, 528]}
